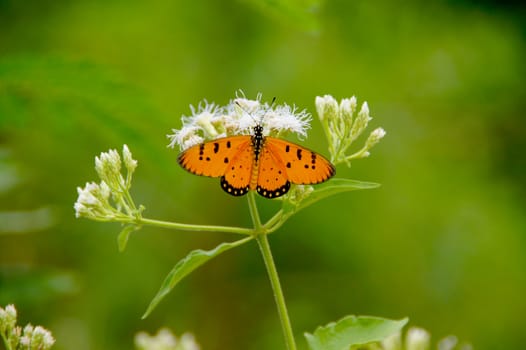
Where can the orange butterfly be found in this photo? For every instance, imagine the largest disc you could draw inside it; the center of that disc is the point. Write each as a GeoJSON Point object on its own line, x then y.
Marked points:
{"type": "Point", "coordinates": [255, 162]}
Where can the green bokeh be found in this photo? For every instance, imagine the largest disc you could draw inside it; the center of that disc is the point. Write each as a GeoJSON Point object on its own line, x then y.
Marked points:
{"type": "Point", "coordinates": [443, 241]}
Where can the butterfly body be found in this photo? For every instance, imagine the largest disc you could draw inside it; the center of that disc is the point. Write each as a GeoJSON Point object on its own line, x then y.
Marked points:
{"type": "Point", "coordinates": [255, 162]}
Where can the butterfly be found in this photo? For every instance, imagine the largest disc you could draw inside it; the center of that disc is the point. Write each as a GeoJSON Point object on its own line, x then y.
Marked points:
{"type": "Point", "coordinates": [265, 164]}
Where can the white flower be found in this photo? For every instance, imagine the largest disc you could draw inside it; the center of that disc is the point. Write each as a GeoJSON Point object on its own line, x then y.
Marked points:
{"type": "Point", "coordinates": [129, 162]}
{"type": "Point", "coordinates": [108, 166]}
{"type": "Point", "coordinates": [110, 199]}
{"type": "Point", "coordinates": [186, 137]}
{"type": "Point", "coordinates": [361, 121]}
{"type": "Point", "coordinates": [93, 201]}
{"type": "Point", "coordinates": [165, 340]}
{"type": "Point", "coordinates": [326, 106]}
{"type": "Point", "coordinates": [373, 139]}
{"type": "Point", "coordinates": [348, 108]}
{"type": "Point", "coordinates": [41, 338]}
{"type": "Point", "coordinates": [188, 342]}
{"type": "Point", "coordinates": [30, 338]}
{"type": "Point", "coordinates": [285, 118]}
{"type": "Point", "coordinates": [417, 339]}
{"type": "Point", "coordinates": [25, 340]}
{"type": "Point", "coordinates": [238, 117]}
{"type": "Point", "coordinates": [249, 106]}
{"type": "Point", "coordinates": [448, 343]}
{"type": "Point", "coordinates": [343, 125]}
{"type": "Point", "coordinates": [393, 342]}
{"type": "Point", "coordinates": [8, 317]}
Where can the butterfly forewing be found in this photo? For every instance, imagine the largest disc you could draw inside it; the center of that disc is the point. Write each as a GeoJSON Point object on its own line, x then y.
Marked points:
{"type": "Point", "coordinates": [302, 166]}
{"type": "Point", "coordinates": [213, 158]}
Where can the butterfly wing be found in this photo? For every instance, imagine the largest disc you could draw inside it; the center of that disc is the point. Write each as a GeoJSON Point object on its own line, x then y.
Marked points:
{"type": "Point", "coordinates": [229, 158]}
{"type": "Point", "coordinates": [238, 175]}
{"type": "Point", "coordinates": [272, 180]}
{"type": "Point", "coordinates": [302, 166]}
{"type": "Point", "coordinates": [212, 158]}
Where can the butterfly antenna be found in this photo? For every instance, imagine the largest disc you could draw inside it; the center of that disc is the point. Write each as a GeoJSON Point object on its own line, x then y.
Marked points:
{"type": "Point", "coordinates": [244, 110]}
{"type": "Point", "coordinates": [250, 114]}
{"type": "Point", "coordinates": [268, 108]}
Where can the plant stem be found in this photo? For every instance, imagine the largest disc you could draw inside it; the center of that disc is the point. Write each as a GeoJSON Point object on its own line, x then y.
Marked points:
{"type": "Point", "coordinates": [6, 344]}
{"type": "Point", "coordinates": [278, 293]}
{"type": "Point", "coordinates": [261, 237]}
{"type": "Point", "coordinates": [188, 227]}
{"type": "Point", "coordinates": [254, 214]}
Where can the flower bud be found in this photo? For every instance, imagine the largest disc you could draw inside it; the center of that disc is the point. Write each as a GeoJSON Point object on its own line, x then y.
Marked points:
{"type": "Point", "coordinates": [129, 162]}
{"type": "Point", "coordinates": [417, 339]}
{"type": "Point", "coordinates": [347, 109]}
{"type": "Point", "coordinates": [393, 342]}
{"type": "Point", "coordinates": [327, 107]}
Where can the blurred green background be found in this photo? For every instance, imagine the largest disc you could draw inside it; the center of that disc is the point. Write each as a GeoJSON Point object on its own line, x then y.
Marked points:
{"type": "Point", "coordinates": [443, 241]}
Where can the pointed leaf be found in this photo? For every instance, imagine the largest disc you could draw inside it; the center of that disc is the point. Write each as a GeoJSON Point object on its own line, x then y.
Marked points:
{"type": "Point", "coordinates": [185, 266]}
{"type": "Point", "coordinates": [327, 189]}
{"type": "Point", "coordinates": [122, 238]}
{"type": "Point", "coordinates": [353, 330]}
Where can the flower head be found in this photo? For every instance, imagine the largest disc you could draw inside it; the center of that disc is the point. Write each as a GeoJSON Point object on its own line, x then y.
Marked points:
{"type": "Point", "coordinates": [93, 202]}
{"type": "Point", "coordinates": [29, 338]}
{"type": "Point", "coordinates": [238, 117]}
{"type": "Point", "coordinates": [8, 318]}
{"type": "Point", "coordinates": [343, 125]}
{"type": "Point", "coordinates": [326, 106]}
{"type": "Point", "coordinates": [165, 340]}
{"type": "Point", "coordinates": [417, 339]}
{"type": "Point", "coordinates": [109, 200]}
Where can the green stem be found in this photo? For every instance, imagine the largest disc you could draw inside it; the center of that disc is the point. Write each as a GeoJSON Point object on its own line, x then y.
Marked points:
{"type": "Point", "coordinates": [6, 343]}
{"type": "Point", "coordinates": [278, 293]}
{"type": "Point", "coordinates": [269, 225]}
{"type": "Point", "coordinates": [264, 246]}
{"type": "Point", "coordinates": [188, 227]}
{"type": "Point", "coordinates": [254, 212]}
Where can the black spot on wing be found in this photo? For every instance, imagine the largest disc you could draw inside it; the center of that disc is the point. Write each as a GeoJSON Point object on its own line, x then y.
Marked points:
{"type": "Point", "coordinates": [298, 153]}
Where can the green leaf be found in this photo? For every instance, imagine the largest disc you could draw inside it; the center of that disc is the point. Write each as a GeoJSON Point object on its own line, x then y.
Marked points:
{"type": "Point", "coordinates": [122, 239]}
{"type": "Point", "coordinates": [188, 264]}
{"type": "Point", "coordinates": [325, 190]}
{"type": "Point", "coordinates": [353, 330]}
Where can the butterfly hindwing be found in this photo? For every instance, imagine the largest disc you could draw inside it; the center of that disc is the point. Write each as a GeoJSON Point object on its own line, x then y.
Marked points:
{"type": "Point", "coordinates": [213, 158]}
{"type": "Point", "coordinates": [238, 175]}
{"type": "Point", "coordinates": [272, 178]}
{"type": "Point", "coordinates": [302, 166]}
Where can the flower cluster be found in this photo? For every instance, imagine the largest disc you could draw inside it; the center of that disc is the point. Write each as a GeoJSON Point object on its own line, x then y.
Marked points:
{"type": "Point", "coordinates": [28, 338]}
{"type": "Point", "coordinates": [210, 121]}
{"type": "Point", "coordinates": [343, 124]}
{"type": "Point", "coordinates": [110, 199]}
{"type": "Point", "coordinates": [416, 339]}
{"type": "Point", "coordinates": [165, 340]}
